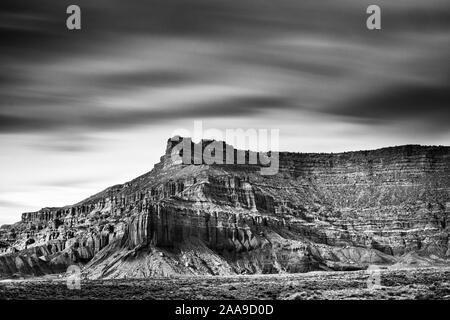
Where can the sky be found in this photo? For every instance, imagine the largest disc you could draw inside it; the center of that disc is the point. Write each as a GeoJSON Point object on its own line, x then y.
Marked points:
{"type": "Point", "coordinates": [82, 110]}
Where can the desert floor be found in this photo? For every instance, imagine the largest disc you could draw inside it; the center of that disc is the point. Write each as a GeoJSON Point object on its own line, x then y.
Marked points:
{"type": "Point", "coordinates": [429, 283]}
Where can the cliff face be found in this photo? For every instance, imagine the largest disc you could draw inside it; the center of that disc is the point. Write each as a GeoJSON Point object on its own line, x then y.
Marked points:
{"type": "Point", "coordinates": [319, 212]}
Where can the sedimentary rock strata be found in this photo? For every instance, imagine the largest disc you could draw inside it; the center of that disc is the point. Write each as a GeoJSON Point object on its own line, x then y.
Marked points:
{"type": "Point", "coordinates": [340, 211]}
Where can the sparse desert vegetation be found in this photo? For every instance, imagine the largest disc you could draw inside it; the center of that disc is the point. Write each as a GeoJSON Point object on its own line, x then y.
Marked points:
{"type": "Point", "coordinates": [427, 283]}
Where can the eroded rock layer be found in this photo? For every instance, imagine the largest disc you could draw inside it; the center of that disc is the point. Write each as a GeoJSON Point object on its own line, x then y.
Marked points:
{"type": "Point", "coordinates": [341, 211]}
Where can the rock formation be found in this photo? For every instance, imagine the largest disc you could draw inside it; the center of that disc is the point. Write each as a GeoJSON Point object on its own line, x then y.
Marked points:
{"type": "Point", "coordinates": [340, 211]}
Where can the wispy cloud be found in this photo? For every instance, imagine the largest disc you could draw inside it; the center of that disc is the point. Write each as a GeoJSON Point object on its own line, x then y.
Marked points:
{"type": "Point", "coordinates": [10, 204]}
{"type": "Point", "coordinates": [54, 80]}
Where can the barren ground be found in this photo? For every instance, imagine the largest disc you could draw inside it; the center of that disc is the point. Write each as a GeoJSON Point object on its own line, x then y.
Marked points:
{"type": "Point", "coordinates": [429, 283]}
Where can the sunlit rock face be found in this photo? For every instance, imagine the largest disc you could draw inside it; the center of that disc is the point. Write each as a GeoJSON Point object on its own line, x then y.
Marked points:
{"type": "Point", "coordinates": [319, 212]}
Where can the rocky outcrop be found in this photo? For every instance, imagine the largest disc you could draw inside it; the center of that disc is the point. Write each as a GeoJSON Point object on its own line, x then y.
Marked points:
{"type": "Point", "coordinates": [340, 211]}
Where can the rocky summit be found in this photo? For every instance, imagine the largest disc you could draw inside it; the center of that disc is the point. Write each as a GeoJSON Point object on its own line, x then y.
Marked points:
{"type": "Point", "coordinates": [342, 211]}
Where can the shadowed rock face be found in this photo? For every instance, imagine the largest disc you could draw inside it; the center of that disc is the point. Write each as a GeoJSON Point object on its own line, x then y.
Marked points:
{"type": "Point", "coordinates": [319, 212]}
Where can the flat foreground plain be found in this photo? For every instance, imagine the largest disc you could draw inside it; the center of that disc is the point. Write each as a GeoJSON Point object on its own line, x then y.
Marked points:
{"type": "Point", "coordinates": [429, 283]}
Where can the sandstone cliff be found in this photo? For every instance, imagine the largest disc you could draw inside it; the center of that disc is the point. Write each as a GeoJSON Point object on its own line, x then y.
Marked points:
{"type": "Point", "coordinates": [340, 211]}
